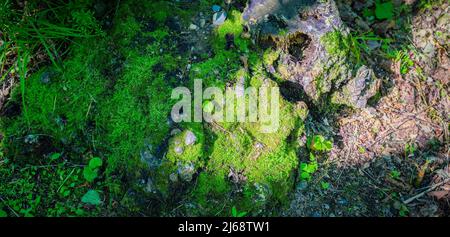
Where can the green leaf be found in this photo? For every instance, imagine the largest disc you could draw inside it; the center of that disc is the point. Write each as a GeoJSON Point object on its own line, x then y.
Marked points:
{"type": "Point", "coordinates": [234, 212]}
{"type": "Point", "coordinates": [328, 146]}
{"type": "Point", "coordinates": [242, 214]}
{"type": "Point", "coordinates": [384, 10]}
{"type": "Point", "coordinates": [368, 12]}
{"type": "Point", "coordinates": [303, 166]}
{"type": "Point", "coordinates": [325, 185]}
{"type": "Point", "coordinates": [55, 156]}
{"type": "Point", "coordinates": [95, 163]}
{"type": "Point", "coordinates": [312, 157]}
{"type": "Point", "coordinates": [3, 213]}
{"type": "Point", "coordinates": [305, 175]}
{"type": "Point", "coordinates": [91, 197]}
{"type": "Point", "coordinates": [89, 174]}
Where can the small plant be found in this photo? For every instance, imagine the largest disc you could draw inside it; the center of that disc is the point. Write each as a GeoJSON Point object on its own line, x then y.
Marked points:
{"type": "Point", "coordinates": [395, 174]}
{"type": "Point", "coordinates": [410, 148]}
{"type": "Point", "coordinates": [319, 143]}
{"type": "Point", "coordinates": [90, 172]}
{"type": "Point", "coordinates": [325, 185]}
{"type": "Point", "coordinates": [307, 169]}
{"type": "Point", "coordinates": [54, 156]}
{"type": "Point", "coordinates": [384, 10]}
{"type": "Point", "coordinates": [91, 197]}
{"type": "Point", "coordinates": [403, 212]}
{"type": "Point", "coordinates": [3, 213]}
{"type": "Point", "coordinates": [315, 144]}
{"type": "Point", "coordinates": [362, 150]}
{"type": "Point", "coordinates": [236, 213]}
{"type": "Point", "coordinates": [406, 63]}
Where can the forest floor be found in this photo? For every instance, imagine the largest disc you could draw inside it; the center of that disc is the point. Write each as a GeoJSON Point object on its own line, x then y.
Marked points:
{"type": "Point", "coordinates": [385, 163]}
{"type": "Point", "coordinates": [388, 159]}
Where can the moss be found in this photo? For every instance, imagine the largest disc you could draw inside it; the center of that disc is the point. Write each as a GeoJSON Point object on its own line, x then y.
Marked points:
{"type": "Point", "coordinates": [233, 25]}
{"type": "Point", "coordinates": [270, 56]}
{"type": "Point", "coordinates": [126, 27]}
{"type": "Point", "coordinates": [186, 153]}
{"type": "Point", "coordinates": [60, 106]}
{"type": "Point", "coordinates": [265, 159]}
{"type": "Point", "coordinates": [137, 112]}
{"type": "Point", "coordinates": [211, 191]}
{"type": "Point", "coordinates": [93, 107]}
{"type": "Point", "coordinates": [335, 43]}
{"type": "Point", "coordinates": [343, 46]}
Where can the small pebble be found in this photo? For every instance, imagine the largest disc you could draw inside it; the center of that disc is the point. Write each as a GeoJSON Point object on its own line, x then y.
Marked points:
{"type": "Point", "coordinates": [178, 150]}
{"type": "Point", "coordinates": [193, 27]}
{"type": "Point", "coordinates": [219, 18]}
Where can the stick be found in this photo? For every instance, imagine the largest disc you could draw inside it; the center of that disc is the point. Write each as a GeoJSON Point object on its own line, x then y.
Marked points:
{"type": "Point", "coordinates": [426, 191]}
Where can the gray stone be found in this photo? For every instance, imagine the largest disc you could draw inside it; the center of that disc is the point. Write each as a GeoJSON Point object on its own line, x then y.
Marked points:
{"type": "Point", "coordinates": [189, 138]}
{"type": "Point", "coordinates": [193, 27]}
{"type": "Point", "coordinates": [302, 185]}
{"type": "Point", "coordinates": [219, 18]}
{"type": "Point", "coordinates": [186, 171]}
{"type": "Point", "coordinates": [45, 78]}
{"type": "Point", "coordinates": [175, 132]}
{"type": "Point", "coordinates": [202, 22]}
{"type": "Point", "coordinates": [178, 150]}
{"type": "Point", "coordinates": [148, 158]}
{"type": "Point", "coordinates": [358, 90]}
{"type": "Point", "coordinates": [173, 177]}
{"type": "Point", "coordinates": [150, 187]}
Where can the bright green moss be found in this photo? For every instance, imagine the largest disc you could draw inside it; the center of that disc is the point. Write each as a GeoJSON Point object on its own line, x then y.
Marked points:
{"type": "Point", "coordinates": [342, 45]}
{"type": "Point", "coordinates": [270, 56]}
{"type": "Point", "coordinates": [120, 115]}
{"type": "Point", "coordinates": [60, 105]}
{"type": "Point", "coordinates": [335, 43]}
{"type": "Point", "coordinates": [211, 192]}
{"type": "Point", "coordinates": [137, 113]}
{"type": "Point", "coordinates": [267, 159]}
{"type": "Point", "coordinates": [233, 25]}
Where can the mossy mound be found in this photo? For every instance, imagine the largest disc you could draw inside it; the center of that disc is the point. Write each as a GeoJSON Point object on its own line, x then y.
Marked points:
{"type": "Point", "coordinates": [112, 99]}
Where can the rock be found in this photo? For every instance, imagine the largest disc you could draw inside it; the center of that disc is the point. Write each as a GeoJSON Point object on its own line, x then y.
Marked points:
{"type": "Point", "coordinates": [373, 44]}
{"type": "Point", "coordinates": [219, 18]}
{"type": "Point", "coordinates": [342, 201]}
{"type": "Point", "coordinates": [148, 158]}
{"type": "Point", "coordinates": [189, 138]}
{"type": "Point", "coordinates": [175, 132]}
{"type": "Point", "coordinates": [358, 90]}
{"type": "Point", "coordinates": [302, 185]}
{"type": "Point", "coordinates": [202, 23]}
{"type": "Point", "coordinates": [186, 171]}
{"type": "Point", "coordinates": [193, 27]}
{"type": "Point", "coordinates": [45, 78]}
{"type": "Point", "coordinates": [259, 145]}
{"type": "Point", "coordinates": [150, 187]}
{"type": "Point", "coordinates": [429, 50]}
{"type": "Point", "coordinates": [173, 177]}
{"type": "Point", "coordinates": [362, 24]}
{"type": "Point", "coordinates": [178, 150]}
{"type": "Point", "coordinates": [31, 139]}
